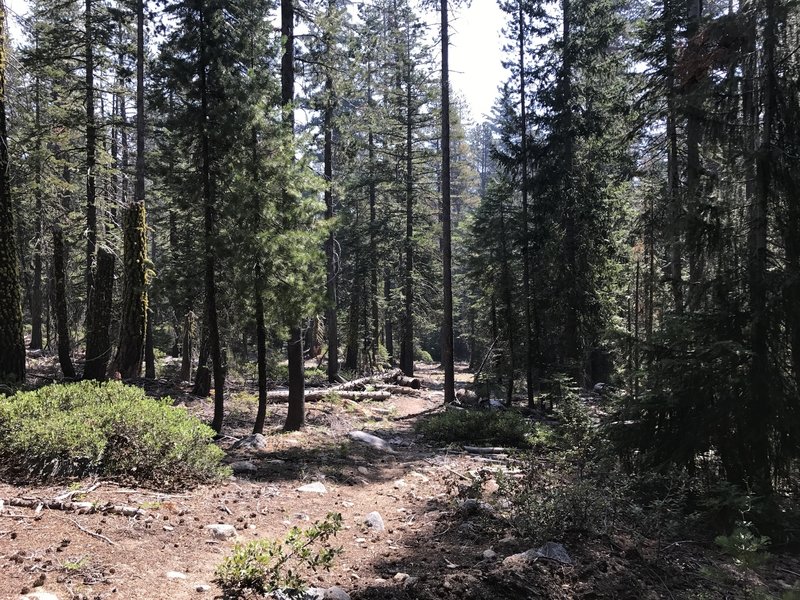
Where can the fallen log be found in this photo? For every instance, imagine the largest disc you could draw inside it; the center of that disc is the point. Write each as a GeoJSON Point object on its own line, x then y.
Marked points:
{"type": "Point", "coordinates": [319, 394]}
{"type": "Point", "coordinates": [79, 507]}
{"type": "Point", "coordinates": [411, 382]}
{"type": "Point", "coordinates": [349, 389]}
{"type": "Point", "coordinates": [484, 450]}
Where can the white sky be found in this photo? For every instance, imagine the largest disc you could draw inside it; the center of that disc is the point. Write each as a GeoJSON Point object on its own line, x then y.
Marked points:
{"type": "Point", "coordinates": [475, 51]}
{"type": "Point", "coordinates": [475, 54]}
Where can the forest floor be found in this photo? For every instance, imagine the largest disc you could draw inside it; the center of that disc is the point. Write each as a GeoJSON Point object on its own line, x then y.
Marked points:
{"type": "Point", "coordinates": [432, 546]}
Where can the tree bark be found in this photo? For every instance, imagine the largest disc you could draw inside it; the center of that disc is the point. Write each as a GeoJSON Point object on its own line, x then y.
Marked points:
{"type": "Point", "coordinates": [36, 292]}
{"type": "Point", "coordinates": [62, 322]}
{"type": "Point", "coordinates": [12, 341]}
{"type": "Point", "coordinates": [331, 315]}
{"type": "Point", "coordinates": [296, 415]}
{"type": "Point", "coordinates": [91, 143]}
{"type": "Point", "coordinates": [133, 322]}
{"type": "Point", "coordinates": [447, 275]}
{"type": "Point", "coordinates": [407, 341]}
{"type": "Point", "coordinates": [98, 318]}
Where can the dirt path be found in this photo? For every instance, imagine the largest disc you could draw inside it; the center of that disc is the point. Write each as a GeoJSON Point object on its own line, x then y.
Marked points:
{"type": "Point", "coordinates": [410, 489]}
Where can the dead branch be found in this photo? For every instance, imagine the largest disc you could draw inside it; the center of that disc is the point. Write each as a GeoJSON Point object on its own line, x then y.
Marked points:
{"type": "Point", "coordinates": [99, 536]}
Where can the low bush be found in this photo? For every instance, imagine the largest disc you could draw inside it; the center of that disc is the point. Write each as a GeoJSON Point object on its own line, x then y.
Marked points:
{"type": "Point", "coordinates": [109, 429]}
{"type": "Point", "coordinates": [265, 566]}
{"type": "Point", "coordinates": [506, 428]}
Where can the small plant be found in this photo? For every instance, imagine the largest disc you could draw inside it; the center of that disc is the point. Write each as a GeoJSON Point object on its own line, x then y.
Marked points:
{"type": "Point", "coordinates": [745, 547]}
{"type": "Point", "coordinates": [265, 566]}
{"type": "Point", "coordinates": [501, 428]}
{"type": "Point", "coordinates": [76, 564]}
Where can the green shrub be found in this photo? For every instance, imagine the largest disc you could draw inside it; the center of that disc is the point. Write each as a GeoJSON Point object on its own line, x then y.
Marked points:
{"type": "Point", "coordinates": [109, 429]}
{"type": "Point", "coordinates": [264, 566]}
{"type": "Point", "coordinates": [422, 355]}
{"type": "Point", "coordinates": [746, 547]}
{"type": "Point", "coordinates": [505, 428]}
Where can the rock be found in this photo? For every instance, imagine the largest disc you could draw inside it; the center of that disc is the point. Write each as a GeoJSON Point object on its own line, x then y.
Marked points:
{"type": "Point", "coordinates": [313, 488]}
{"type": "Point", "coordinates": [39, 596]}
{"type": "Point", "coordinates": [202, 587]}
{"type": "Point", "coordinates": [550, 551]}
{"type": "Point", "coordinates": [362, 470]}
{"type": "Point", "coordinates": [489, 554]}
{"type": "Point", "coordinates": [314, 593]}
{"type": "Point", "coordinates": [400, 484]}
{"type": "Point", "coordinates": [400, 576]}
{"type": "Point", "coordinates": [372, 441]}
{"type": "Point", "coordinates": [221, 531]}
{"type": "Point", "coordinates": [175, 575]}
{"type": "Point", "coordinates": [360, 540]}
{"type": "Point", "coordinates": [336, 593]}
{"type": "Point", "coordinates": [374, 521]}
{"type": "Point", "coordinates": [409, 581]}
{"type": "Point", "coordinates": [243, 466]}
{"type": "Point", "coordinates": [554, 551]}
{"type": "Point", "coordinates": [471, 506]}
{"type": "Point", "coordinates": [254, 443]}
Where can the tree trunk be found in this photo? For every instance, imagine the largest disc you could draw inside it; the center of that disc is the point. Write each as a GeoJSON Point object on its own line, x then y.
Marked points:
{"type": "Point", "coordinates": [186, 347]}
{"type": "Point", "coordinates": [12, 341]}
{"type": "Point", "coordinates": [526, 265]}
{"type": "Point", "coordinates": [202, 377]}
{"type": "Point", "coordinates": [447, 274]}
{"type": "Point", "coordinates": [91, 143]}
{"type": "Point", "coordinates": [331, 316]}
{"type": "Point", "coordinates": [296, 415]}
{"type": "Point", "coordinates": [407, 341]}
{"type": "Point", "coordinates": [387, 323]}
{"type": "Point", "coordinates": [98, 318]}
{"type": "Point", "coordinates": [261, 353]}
{"type": "Point", "coordinates": [149, 349]}
{"type": "Point", "coordinates": [36, 293]}
{"type": "Point", "coordinates": [62, 322]}
{"type": "Point", "coordinates": [673, 181]}
{"type": "Point", "coordinates": [351, 356]}
{"type": "Point", "coordinates": [760, 411]}
{"type": "Point", "coordinates": [133, 321]}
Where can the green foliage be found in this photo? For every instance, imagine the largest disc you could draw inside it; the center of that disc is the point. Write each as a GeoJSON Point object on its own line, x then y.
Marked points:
{"type": "Point", "coordinates": [506, 428]}
{"type": "Point", "coordinates": [264, 566]}
{"type": "Point", "coordinates": [421, 355]}
{"type": "Point", "coordinates": [108, 429]}
{"type": "Point", "coordinates": [745, 547]}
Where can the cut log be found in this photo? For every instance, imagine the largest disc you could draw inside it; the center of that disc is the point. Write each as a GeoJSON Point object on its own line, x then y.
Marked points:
{"type": "Point", "coordinates": [320, 393]}
{"type": "Point", "coordinates": [357, 383]}
{"type": "Point", "coordinates": [411, 382]}
{"type": "Point", "coordinates": [484, 450]}
{"type": "Point", "coordinates": [79, 507]}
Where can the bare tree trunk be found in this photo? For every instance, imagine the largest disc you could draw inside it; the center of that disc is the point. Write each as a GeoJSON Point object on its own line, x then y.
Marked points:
{"type": "Point", "coordinates": [12, 341]}
{"type": "Point", "coordinates": [98, 318]}
{"type": "Point", "coordinates": [186, 347]}
{"type": "Point", "coordinates": [296, 415]}
{"type": "Point", "coordinates": [36, 294]}
{"type": "Point", "coordinates": [331, 316]}
{"type": "Point", "coordinates": [387, 323]}
{"type": "Point", "coordinates": [447, 274]}
{"type": "Point", "coordinates": [62, 322]}
{"type": "Point", "coordinates": [407, 341]}
{"type": "Point", "coordinates": [91, 143]}
{"type": "Point", "coordinates": [526, 265]}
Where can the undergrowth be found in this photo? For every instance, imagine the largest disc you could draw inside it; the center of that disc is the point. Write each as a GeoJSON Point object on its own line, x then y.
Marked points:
{"type": "Point", "coordinates": [504, 428]}
{"type": "Point", "coordinates": [108, 429]}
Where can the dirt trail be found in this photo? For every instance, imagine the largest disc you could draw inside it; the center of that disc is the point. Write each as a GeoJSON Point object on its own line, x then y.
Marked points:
{"type": "Point", "coordinates": [410, 490]}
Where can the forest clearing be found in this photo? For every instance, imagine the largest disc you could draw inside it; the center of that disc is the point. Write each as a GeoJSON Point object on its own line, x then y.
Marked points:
{"type": "Point", "coordinates": [446, 530]}
{"type": "Point", "coordinates": [282, 317]}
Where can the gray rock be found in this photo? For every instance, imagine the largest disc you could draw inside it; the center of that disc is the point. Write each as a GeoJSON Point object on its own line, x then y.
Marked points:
{"type": "Point", "coordinates": [374, 520]}
{"type": "Point", "coordinates": [254, 443]}
{"type": "Point", "coordinates": [243, 466]}
{"type": "Point", "coordinates": [489, 554]}
{"type": "Point", "coordinates": [373, 441]}
{"type": "Point", "coordinates": [471, 506]}
{"type": "Point", "coordinates": [314, 593]}
{"type": "Point", "coordinates": [550, 551]}
{"type": "Point", "coordinates": [39, 596]}
{"type": "Point", "coordinates": [313, 488]}
{"type": "Point", "coordinates": [336, 593]}
{"type": "Point", "coordinates": [554, 551]}
{"type": "Point", "coordinates": [175, 575]}
{"type": "Point", "coordinates": [202, 587]}
{"type": "Point", "coordinates": [221, 531]}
